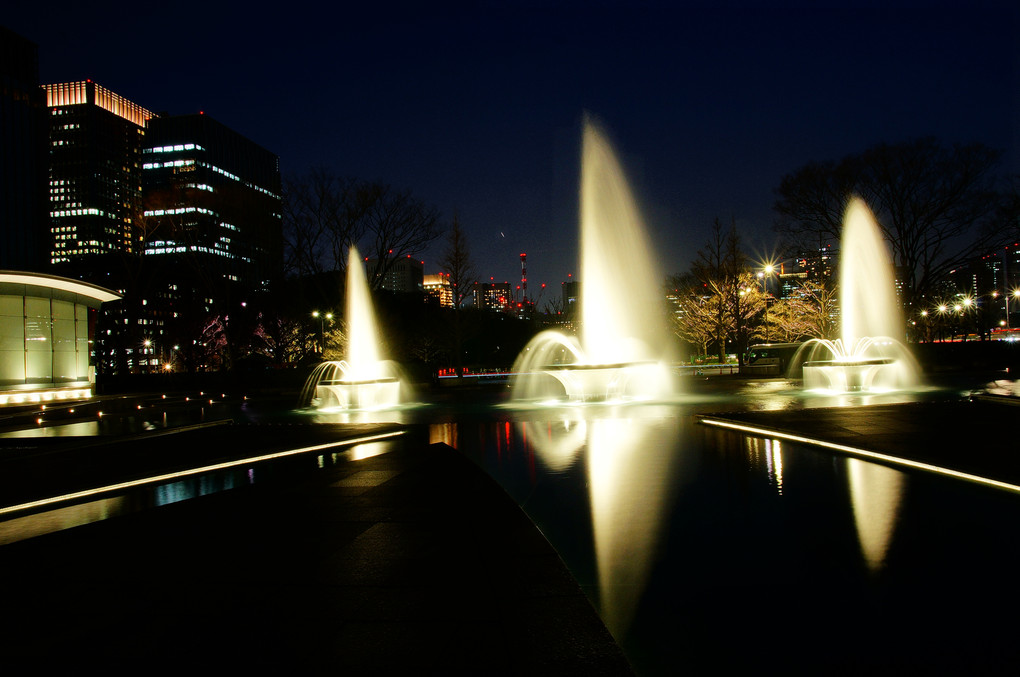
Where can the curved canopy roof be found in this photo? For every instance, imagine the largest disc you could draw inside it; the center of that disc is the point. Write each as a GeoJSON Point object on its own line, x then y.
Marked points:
{"type": "Point", "coordinates": [101, 294]}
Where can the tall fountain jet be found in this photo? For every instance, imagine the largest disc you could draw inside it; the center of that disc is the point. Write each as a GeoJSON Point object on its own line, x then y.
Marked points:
{"type": "Point", "coordinates": [362, 380]}
{"type": "Point", "coordinates": [869, 355]}
{"type": "Point", "coordinates": [623, 346]}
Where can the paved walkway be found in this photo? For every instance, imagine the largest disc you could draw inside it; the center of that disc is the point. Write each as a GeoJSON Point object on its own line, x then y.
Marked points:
{"type": "Point", "coordinates": [409, 562]}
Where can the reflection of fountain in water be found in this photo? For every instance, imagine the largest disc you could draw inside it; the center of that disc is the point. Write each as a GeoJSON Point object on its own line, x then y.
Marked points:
{"type": "Point", "coordinates": [875, 492]}
{"type": "Point", "coordinates": [867, 356]}
{"type": "Point", "coordinates": [629, 461]}
{"type": "Point", "coordinates": [623, 339]}
{"type": "Point", "coordinates": [363, 380]}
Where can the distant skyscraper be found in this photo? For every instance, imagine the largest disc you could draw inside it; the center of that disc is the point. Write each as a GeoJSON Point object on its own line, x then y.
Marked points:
{"type": "Point", "coordinates": [819, 264]}
{"type": "Point", "coordinates": [493, 296]}
{"type": "Point", "coordinates": [438, 287]}
{"type": "Point", "coordinates": [405, 275]}
{"type": "Point", "coordinates": [95, 182]}
{"type": "Point", "coordinates": [23, 132]}
{"type": "Point", "coordinates": [570, 295]}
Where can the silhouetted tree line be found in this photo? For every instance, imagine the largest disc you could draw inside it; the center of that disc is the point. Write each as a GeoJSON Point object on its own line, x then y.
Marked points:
{"type": "Point", "coordinates": [937, 206]}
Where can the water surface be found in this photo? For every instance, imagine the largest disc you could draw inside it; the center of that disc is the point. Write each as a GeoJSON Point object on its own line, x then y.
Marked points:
{"type": "Point", "coordinates": [712, 551]}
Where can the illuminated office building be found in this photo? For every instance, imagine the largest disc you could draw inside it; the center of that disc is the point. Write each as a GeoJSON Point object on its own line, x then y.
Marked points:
{"type": "Point", "coordinates": [404, 275]}
{"type": "Point", "coordinates": [438, 287]}
{"type": "Point", "coordinates": [493, 296]}
{"type": "Point", "coordinates": [95, 182]}
{"type": "Point", "coordinates": [210, 242]}
{"type": "Point", "coordinates": [212, 202]}
{"type": "Point", "coordinates": [23, 133]}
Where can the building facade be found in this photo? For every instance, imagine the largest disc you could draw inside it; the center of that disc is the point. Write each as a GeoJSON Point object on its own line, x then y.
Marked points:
{"type": "Point", "coordinates": [404, 275]}
{"type": "Point", "coordinates": [95, 182]}
{"type": "Point", "coordinates": [212, 202]}
{"type": "Point", "coordinates": [438, 288]}
{"type": "Point", "coordinates": [498, 296]}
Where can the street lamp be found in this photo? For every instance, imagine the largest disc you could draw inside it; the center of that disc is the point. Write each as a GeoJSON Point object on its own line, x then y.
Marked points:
{"type": "Point", "coordinates": [322, 328]}
{"type": "Point", "coordinates": [145, 361]}
{"type": "Point", "coordinates": [942, 309]}
{"type": "Point", "coordinates": [763, 276]}
{"type": "Point", "coordinates": [1015, 295]}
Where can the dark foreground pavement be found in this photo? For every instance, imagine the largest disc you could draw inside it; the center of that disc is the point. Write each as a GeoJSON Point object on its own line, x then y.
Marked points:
{"type": "Point", "coordinates": [409, 562]}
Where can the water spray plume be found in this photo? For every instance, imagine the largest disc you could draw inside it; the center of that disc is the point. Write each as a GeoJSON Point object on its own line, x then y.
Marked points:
{"type": "Point", "coordinates": [622, 350]}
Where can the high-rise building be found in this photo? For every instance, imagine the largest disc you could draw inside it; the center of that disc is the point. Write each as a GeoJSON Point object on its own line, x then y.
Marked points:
{"type": "Point", "coordinates": [570, 290]}
{"type": "Point", "coordinates": [819, 265]}
{"type": "Point", "coordinates": [493, 296]}
{"type": "Point", "coordinates": [23, 133]}
{"type": "Point", "coordinates": [95, 182]}
{"type": "Point", "coordinates": [212, 202]}
{"type": "Point", "coordinates": [210, 241]}
{"type": "Point", "coordinates": [405, 275]}
{"type": "Point", "coordinates": [438, 287]}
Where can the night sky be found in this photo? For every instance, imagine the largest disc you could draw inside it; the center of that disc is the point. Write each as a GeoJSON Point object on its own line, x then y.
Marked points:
{"type": "Point", "coordinates": [476, 107]}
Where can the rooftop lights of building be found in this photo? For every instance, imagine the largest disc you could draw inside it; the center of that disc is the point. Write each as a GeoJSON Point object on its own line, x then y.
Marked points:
{"type": "Point", "coordinates": [88, 92]}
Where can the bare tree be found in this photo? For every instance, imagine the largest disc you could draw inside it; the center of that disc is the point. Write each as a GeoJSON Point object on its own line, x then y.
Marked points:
{"type": "Point", "coordinates": [321, 220]}
{"type": "Point", "coordinates": [396, 224]}
{"type": "Point", "coordinates": [456, 263]}
{"type": "Point", "coordinates": [820, 308]}
{"type": "Point", "coordinates": [694, 317]}
{"type": "Point", "coordinates": [746, 307]}
{"type": "Point", "coordinates": [325, 214]}
{"type": "Point", "coordinates": [718, 267]}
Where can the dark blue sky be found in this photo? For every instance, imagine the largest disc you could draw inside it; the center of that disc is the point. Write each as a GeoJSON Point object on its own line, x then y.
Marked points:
{"type": "Point", "coordinates": [476, 106]}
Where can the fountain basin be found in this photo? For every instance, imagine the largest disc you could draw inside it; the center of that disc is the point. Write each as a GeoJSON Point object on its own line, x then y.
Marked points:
{"type": "Point", "coordinates": [852, 375]}
{"type": "Point", "coordinates": [367, 394]}
{"type": "Point", "coordinates": [609, 382]}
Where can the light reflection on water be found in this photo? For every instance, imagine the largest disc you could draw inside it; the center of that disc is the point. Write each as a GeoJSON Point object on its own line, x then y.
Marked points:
{"type": "Point", "coordinates": [689, 538]}
{"type": "Point", "coordinates": [876, 492]}
{"type": "Point", "coordinates": [627, 457]}
{"type": "Point", "coordinates": [201, 485]}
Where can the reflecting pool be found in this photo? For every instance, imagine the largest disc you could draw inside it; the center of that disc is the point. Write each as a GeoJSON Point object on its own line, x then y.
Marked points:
{"type": "Point", "coordinates": [709, 551]}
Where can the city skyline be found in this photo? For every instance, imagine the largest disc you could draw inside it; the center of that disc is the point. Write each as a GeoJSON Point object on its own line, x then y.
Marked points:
{"type": "Point", "coordinates": [476, 108]}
